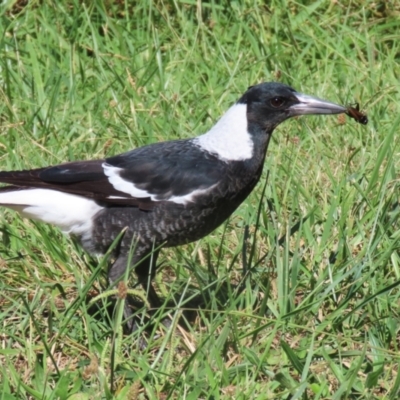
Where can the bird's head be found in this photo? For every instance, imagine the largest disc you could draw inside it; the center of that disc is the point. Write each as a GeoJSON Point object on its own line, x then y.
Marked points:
{"type": "Point", "coordinates": [270, 103]}
{"type": "Point", "coordinates": [245, 129]}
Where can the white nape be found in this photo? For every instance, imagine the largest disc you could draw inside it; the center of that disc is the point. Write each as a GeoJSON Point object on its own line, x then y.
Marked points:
{"type": "Point", "coordinates": [73, 214]}
{"type": "Point", "coordinates": [124, 186]}
{"type": "Point", "coordinates": [229, 138]}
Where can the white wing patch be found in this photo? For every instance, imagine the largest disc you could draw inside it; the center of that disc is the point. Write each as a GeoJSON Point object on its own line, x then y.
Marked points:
{"type": "Point", "coordinates": [73, 214]}
{"type": "Point", "coordinates": [190, 197]}
{"type": "Point", "coordinates": [122, 185]}
{"type": "Point", "coordinates": [229, 138]}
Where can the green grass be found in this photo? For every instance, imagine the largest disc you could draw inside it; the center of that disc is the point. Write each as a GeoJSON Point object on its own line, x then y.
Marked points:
{"type": "Point", "coordinates": [318, 317]}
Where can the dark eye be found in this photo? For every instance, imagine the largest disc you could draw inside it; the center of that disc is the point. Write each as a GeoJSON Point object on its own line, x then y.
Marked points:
{"type": "Point", "coordinates": [277, 102]}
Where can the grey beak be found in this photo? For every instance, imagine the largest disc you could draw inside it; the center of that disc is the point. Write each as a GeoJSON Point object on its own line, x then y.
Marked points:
{"type": "Point", "coordinates": [314, 105]}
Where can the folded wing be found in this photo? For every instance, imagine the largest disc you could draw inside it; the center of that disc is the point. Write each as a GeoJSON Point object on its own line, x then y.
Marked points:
{"type": "Point", "coordinates": [176, 171]}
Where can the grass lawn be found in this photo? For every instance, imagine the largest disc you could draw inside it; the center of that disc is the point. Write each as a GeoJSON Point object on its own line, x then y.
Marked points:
{"type": "Point", "coordinates": [315, 246]}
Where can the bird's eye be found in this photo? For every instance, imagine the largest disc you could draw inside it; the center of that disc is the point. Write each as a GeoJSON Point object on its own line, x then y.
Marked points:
{"type": "Point", "coordinates": [277, 102]}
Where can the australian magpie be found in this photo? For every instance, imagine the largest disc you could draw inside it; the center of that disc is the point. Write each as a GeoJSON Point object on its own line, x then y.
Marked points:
{"type": "Point", "coordinates": [163, 194]}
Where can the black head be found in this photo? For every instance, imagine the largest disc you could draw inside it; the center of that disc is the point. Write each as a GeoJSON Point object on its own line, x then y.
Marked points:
{"type": "Point", "coordinates": [270, 103]}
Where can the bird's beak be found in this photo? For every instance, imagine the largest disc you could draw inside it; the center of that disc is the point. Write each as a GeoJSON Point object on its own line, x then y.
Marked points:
{"type": "Point", "coordinates": [314, 105]}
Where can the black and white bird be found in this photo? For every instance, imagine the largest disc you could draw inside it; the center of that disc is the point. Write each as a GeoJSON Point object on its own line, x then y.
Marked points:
{"type": "Point", "coordinates": [164, 194]}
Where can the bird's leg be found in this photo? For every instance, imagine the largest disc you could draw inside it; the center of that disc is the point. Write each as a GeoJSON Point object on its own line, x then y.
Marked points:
{"type": "Point", "coordinates": [145, 272]}
{"type": "Point", "coordinates": [115, 272]}
{"type": "Point", "coordinates": [145, 267]}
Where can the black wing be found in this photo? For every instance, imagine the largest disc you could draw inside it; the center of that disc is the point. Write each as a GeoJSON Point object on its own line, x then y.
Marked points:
{"type": "Point", "coordinates": [168, 171]}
